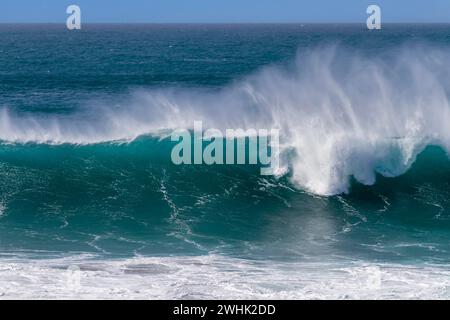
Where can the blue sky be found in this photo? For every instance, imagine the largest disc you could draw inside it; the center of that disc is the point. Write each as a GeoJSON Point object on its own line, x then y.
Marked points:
{"type": "Point", "coordinates": [157, 11]}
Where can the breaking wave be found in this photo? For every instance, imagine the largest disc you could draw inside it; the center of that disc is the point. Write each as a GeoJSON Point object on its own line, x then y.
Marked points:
{"type": "Point", "coordinates": [342, 114]}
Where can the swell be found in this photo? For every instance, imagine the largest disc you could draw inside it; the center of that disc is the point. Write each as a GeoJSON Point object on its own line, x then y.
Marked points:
{"type": "Point", "coordinates": [148, 159]}
{"type": "Point", "coordinates": [342, 114]}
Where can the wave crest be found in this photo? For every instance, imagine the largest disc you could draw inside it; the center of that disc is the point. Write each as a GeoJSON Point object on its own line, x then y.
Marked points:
{"type": "Point", "coordinates": [342, 113]}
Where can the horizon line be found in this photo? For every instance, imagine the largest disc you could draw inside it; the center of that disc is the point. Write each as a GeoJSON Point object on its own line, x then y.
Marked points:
{"type": "Point", "coordinates": [222, 23]}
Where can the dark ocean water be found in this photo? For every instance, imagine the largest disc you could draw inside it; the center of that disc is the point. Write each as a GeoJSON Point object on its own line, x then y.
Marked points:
{"type": "Point", "coordinates": [86, 174]}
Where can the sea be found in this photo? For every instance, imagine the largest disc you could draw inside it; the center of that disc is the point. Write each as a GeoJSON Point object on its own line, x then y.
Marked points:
{"type": "Point", "coordinates": [93, 207]}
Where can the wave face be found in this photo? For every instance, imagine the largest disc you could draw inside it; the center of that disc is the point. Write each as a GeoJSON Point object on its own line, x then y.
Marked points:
{"type": "Point", "coordinates": [121, 198]}
{"type": "Point", "coordinates": [341, 113]}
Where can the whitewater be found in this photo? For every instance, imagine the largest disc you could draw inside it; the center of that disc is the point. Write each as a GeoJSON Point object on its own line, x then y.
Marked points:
{"type": "Point", "coordinates": [216, 277]}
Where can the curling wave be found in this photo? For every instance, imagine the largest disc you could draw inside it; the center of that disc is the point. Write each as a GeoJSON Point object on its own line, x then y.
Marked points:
{"type": "Point", "coordinates": [341, 113]}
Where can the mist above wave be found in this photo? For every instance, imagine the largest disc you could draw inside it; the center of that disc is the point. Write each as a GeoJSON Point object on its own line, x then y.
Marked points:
{"type": "Point", "coordinates": [341, 113]}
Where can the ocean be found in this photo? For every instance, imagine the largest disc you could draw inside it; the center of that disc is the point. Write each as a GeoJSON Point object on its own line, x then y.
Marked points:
{"type": "Point", "coordinates": [91, 205]}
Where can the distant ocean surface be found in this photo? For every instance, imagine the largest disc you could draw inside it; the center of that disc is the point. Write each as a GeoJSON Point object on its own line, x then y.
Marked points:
{"type": "Point", "coordinates": [86, 179]}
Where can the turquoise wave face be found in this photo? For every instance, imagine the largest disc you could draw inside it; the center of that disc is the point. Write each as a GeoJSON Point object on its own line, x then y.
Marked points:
{"type": "Point", "coordinates": [123, 199]}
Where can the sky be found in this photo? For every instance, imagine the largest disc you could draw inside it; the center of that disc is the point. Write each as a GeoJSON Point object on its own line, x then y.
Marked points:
{"type": "Point", "coordinates": [223, 11]}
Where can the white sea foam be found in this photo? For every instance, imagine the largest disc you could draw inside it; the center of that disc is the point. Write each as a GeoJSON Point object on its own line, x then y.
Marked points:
{"type": "Point", "coordinates": [341, 113]}
{"type": "Point", "coordinates": [217, 277]}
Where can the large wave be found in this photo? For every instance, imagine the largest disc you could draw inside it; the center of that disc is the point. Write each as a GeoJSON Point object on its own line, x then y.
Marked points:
{"type": "Point", "coordinates": [342, 113]}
